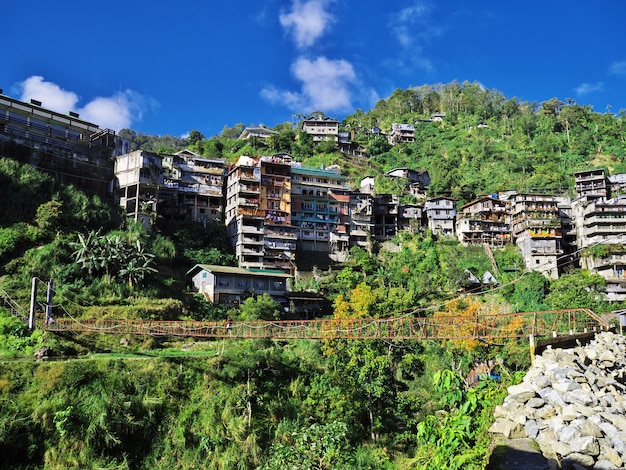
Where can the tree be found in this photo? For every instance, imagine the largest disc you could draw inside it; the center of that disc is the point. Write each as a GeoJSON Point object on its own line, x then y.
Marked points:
{"type": "Point", "coordinates": [580, 289]}
{"type": "Point", "coordinates": [530, 292]}
{"type": "Point", "coordinates": [49, 214]}
{"type": "Point", "coordinates": [195, 136]}
{"type": "Point", "coordinates": [262, 307]}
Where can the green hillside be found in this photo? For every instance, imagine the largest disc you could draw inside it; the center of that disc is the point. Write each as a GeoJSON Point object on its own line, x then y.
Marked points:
{"type": "Point", "coordinates": [145, 403]}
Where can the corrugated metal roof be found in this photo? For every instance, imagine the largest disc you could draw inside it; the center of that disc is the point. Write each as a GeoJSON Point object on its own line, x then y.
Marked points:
{"type": "Point", "coordinates": [212, 268]}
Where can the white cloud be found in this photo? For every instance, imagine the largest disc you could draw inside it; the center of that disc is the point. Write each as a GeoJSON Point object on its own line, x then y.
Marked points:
{"type": "Point", "coordinates": [586, 88]}
{"type": "Point", "coordinates": [307, 21]}
{"type": "Point", "coordinates": [113, 113]}
{"type": "Point", "coordinates": [413, 27]}
{"type": "Point", "coordinates": [408, 23]}
{"type": "Point", "coordinates": [50, 94]}
{"type": "Point", "coordinates": [116, 112]}
{"type": "Point", "coordinates": [618, 68]}
{"type": "Point", "coordinates": [325, 86]}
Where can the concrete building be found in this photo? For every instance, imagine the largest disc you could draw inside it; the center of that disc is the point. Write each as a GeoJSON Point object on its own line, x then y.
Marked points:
{"type": "Point", "coordinates": [361, 219]}
{"type": "Point", "coordinates": [401, 134]}
{"type": "Point", "coordinates": [601, 240]}
{"type": "Point", "coordinates": [410, 218]}
{"type": "Point", "coordinates": [75, 151]}
{"type": "Point", "coordinates": [139, 179]}
{"type": "Point", "coordinates": [484, 220]}
{"type": "Point", "coordinates": [536, 229]}
{"type": "Point", "coordinates": [591, 183]}
{"type": "Point", "coordinates": [385, 216]}
{"type": "Point", "coordinates": [258, 213]}
{"type": "Point", "coordinates": [322, 129]}
{"type": "Point", "coordinates": [319, 207]}
{"type": "Point", "coordinates": [178, 187]}
{"type": "Point", "coordinates": [440, 215]}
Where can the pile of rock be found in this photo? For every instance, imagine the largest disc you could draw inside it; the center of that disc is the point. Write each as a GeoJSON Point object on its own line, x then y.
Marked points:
{"type": "Point", "coordinates": [573, 403]}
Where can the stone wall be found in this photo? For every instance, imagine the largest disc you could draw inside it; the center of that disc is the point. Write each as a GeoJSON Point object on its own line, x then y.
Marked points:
{"type": "Point", "coordinates": [573, 403]}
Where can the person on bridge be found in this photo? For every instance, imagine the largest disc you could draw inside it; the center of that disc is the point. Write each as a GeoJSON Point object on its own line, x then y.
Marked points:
{"type": "Point", "coordinates": [229, 325]}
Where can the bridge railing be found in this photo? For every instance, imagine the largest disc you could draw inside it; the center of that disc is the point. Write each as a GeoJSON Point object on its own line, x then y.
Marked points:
{"type": "Point", "coordinates": [485, 327]}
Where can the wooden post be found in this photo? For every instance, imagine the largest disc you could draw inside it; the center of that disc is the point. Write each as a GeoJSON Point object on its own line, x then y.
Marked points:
{"type": "Point", "coordinates": [531, 339]}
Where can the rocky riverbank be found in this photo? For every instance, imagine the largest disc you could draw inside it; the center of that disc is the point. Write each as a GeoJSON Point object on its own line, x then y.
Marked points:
{"type": "Point", "coordinates": [572, 402]}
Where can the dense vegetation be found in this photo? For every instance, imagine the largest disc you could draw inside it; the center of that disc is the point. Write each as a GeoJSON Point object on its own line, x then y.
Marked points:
{"type": "Point", "coordinates": [150, 403]}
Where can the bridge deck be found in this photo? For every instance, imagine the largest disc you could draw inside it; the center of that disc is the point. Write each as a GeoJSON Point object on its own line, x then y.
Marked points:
{"type": "Point", "coordinates": [482, 327]}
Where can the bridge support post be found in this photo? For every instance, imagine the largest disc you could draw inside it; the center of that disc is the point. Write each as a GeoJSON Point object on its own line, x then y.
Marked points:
{"type": "Point", "coordinates": [531, 339]}
{"type": "Point", "coordinates": [49, 295]}
{"type": "Point", "coordinates": [33, 301]}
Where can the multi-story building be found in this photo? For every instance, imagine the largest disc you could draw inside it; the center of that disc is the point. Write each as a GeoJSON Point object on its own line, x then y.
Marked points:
{"type": "Point", "coordinates": [258, 213]}
{"type": "Point", "coordinates": [417, 181]}
{"type": "Point", "coordinates": [139, 179]}
{"type": "Point", "coordinates": [182, 186]}
{"type": "Point", "coordinates": [361, 219]}
{"type": "Point", "coordinates": [321, 128]}
{"type": "Point", "coordinates": [201, 187]}
{"type": "Point", "coordinates": [536, 229]}
{"type": "Point", "coordinates": [280, 235]}
{"type": "Point", "coordinates": [440, 215]}
{"type": "Point", "coordinates": [591, 183]}
{"type": "Point", "coordinates": [245, 221]}
{"type": "Point", "coordinates": [401, 134]}
{"type": "Point", "coordinates": [75, 151]}
{"type": "Point", "coordinates": [347, 147]}
{"type": "Point", "coordinates": [340, 237]}
{"type": "Point", "coordinates": [601, 240]}
{"type": "Point", "coordinates": [319, 207]}
{"type": "Point", "coordinates": [385, 216]}
{"type": "Point", "coordinates": [484, 220]}
{"type": "Point", "coordinates": [410, 218]}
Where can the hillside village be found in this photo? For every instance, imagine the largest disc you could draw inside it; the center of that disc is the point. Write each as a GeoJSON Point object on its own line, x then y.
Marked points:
{"type": "Point", "coordinates": [274, 208]}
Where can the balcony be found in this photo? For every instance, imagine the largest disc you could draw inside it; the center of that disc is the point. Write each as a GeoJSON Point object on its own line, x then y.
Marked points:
{"type": "Point", "coordinates": [251, 229]}
{"type": "Point", "coordinates": [251, 241]}
{"type": "Point", "coordinates": [605, 230]}
{"type": "Point", "coordinates": [248, 201]}
{"type": "Point", "coordinates": [288, 234]}
{"type": "Point", "coordinates": [250, 252]}
{"type": "Point", "coordinates": [247, 188]}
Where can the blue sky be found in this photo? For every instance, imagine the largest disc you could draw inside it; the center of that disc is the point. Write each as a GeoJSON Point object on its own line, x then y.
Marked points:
{"type": "Point", "coordinates": [164, 67]}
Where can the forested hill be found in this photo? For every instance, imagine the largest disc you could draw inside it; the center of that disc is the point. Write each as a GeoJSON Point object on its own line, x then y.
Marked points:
{"type": "Point", "coordinates": [485, 141]}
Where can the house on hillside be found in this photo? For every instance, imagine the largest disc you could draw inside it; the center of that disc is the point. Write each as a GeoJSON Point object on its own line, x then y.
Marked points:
{"type": "Point", "coordinates": [231, 285]}
{"type": "Point", "coordinates": [484, 220]}
{"type": "Point", "coordinates": [321, 128]}
{"type": "Point", "coordinates": [259, 132]}
{"type": "Point", "coordinates": [417, 181]}
{"type": "Point", "coordinates": [440, 214]}
{"type": "Point", "coordinates": [401, 133]}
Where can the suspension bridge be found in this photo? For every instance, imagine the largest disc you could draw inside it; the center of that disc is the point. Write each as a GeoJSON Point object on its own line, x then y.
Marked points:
{"type": "Point", "coordinates": [485, 328]}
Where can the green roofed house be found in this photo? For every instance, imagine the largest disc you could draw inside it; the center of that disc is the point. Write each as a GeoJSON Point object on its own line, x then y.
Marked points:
{"type": "Point", "coordinates": [232, 285]}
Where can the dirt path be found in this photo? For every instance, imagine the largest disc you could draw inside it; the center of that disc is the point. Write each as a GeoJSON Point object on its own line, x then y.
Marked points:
{"type": "Point", "coordinates": [516, 454]}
